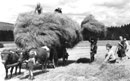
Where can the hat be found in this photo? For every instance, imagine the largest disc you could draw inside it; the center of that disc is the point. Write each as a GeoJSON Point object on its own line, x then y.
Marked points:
{"type": "Point", "coordinates": [108, 45]}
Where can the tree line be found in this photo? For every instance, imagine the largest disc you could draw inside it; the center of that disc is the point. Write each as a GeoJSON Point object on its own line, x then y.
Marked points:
{"type": "Point", "coordinates": [6, 35]}
{"type": "Point", "coordinates": [112, 33]}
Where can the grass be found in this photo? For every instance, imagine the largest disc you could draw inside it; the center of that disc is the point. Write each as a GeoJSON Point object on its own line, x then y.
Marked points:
{"type": "Point", "coordinates": [81, 44]}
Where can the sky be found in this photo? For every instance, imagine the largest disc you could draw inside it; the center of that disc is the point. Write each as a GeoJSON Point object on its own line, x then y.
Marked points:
{"type": "Point", "coordinates": [109, 12]}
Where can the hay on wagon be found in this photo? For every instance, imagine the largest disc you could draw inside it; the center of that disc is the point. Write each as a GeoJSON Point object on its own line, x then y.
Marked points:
{"type": "Point", "coordinates": [51, 29]}
{"type": "Point", "coordinates": [92, 27]}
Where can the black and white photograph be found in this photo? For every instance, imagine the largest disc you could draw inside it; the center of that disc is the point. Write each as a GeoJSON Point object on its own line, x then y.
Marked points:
{"type": "Point", "coordinates": [65, 40]}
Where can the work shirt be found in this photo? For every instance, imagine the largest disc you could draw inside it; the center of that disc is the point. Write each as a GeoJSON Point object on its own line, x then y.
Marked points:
{"type": "Point", "coordinates": [31, 59]}
{"type": "Point", "coordinates": [110, 56]}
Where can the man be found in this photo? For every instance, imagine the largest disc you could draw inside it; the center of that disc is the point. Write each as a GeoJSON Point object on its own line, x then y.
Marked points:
{"type": "Point", "coordinates": [121, 47]}
{"type": "Point", "coordinates": [93, 49]}
{"type": "Point", "coordinates": [109, 57]}
{"type": "Point", "coordinates": [58, 10]}
{"type": "Point", "coordinates": [38, 9]}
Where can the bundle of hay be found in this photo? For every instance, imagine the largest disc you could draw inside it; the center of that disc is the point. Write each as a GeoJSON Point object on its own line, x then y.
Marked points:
{"type": "Point", "coordinates": [91, 27]}
{"type": "Point", "coordinates": [51, 29]}
{"type": "Point", "coordinates": [114, 73]}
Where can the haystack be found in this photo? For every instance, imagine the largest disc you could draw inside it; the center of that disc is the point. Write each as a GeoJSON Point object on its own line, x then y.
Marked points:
{"type": "Point", "coordinates": [51, 29]}
{"type": "Point", "coordinates": [92, 27]}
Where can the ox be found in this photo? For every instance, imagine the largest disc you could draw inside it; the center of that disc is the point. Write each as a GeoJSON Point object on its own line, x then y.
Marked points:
{"type": "Point", "coordinates": [37, 55]}
{"type": "Point", "coordinates": [61, 53]}
{"type": "Point", "coordinates": [11, 59]}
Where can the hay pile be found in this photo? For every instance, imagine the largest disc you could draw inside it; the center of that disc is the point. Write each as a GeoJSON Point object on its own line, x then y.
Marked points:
{"type": "Point", "coordinates": [114, 73]}
{"type": "Point", "coordinates": [86, 72]}
{"type": "Point", "coordinates": [92, 27]}
{"type": "Point", "coordinates": [51, 29]}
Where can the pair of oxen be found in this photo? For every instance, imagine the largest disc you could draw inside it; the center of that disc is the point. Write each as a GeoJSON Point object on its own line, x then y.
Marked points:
{"type": "Point", "coordinates": [43, 55]}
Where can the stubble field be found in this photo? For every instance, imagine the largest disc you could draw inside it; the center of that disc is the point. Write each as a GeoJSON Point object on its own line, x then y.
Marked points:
{"type": "Point", "coordinates": [79, 71]}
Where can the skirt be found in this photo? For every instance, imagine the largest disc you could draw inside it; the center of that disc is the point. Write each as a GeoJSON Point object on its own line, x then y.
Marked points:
{"type": "Point", "coordinates": [121, 53]}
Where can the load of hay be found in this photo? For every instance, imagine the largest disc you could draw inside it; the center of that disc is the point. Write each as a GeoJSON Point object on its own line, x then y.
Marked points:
{"type": "Point", "coordinates": [92, 27]}
{"type": "Point", "coordinates": [51, 29]}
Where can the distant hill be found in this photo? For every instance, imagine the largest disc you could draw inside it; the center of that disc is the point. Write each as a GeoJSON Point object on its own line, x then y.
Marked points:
{"type": "Point", "coordinates": [6, 26]}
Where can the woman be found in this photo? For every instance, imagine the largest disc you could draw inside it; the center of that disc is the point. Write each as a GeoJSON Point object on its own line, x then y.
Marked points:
{"type": "Point", "coordinates": [121, 48]}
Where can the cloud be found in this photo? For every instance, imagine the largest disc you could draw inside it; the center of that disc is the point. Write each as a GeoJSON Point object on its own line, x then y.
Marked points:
{"type": "Point", "coordinates": [109, 12]}
{"type": "Point", "coordinates": [115, 12]}
{"type": "Point", "coordinates": [64, 2]}
{"type": "Point", "coordinates": [116, 3]}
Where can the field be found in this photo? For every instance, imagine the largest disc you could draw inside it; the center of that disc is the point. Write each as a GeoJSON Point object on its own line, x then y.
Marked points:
{"type": "Point", "coordinates": [80, 71]}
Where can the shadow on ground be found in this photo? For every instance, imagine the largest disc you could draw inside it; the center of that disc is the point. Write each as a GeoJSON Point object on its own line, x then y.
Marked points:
{"type": "Point", "coordinates": [38, 71]}
{"type": "Point", "coordinates": [60, 62]}
{"type": "Point", "coordinates": [34, 73]}
{"type": "Point", "coordinates": [14, 75]}
{"type": "Point", "coordinates": [80, 60]}
{"type": "Point", "coordinates": [83, 60]}
{"type": "Point", "coordinates": [38, 68]}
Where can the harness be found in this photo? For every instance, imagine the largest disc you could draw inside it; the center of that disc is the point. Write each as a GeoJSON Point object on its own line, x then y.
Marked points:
{"type": "Point", "coordinates": [11, 65]}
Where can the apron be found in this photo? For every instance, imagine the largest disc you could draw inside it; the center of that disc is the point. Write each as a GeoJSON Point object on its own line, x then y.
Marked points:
{"type": "Point", "coordinates": [121, 49]}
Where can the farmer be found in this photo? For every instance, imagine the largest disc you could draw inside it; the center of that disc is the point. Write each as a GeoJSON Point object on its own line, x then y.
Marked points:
{"type": "Point", "coordinates": [127, 47]}
{"type": "Point", "coordinates": [38, 9]}
{"type": "Point", "coordinates": [93, 48]}
{"type": "Point", "coordinates": [121, 48]}
{"type": "Point", "coordinates": [58, 10]}
{"type": "Point", "coordinates": [31, 62]}
{"type": "Point", "coordinates": [110, 56]}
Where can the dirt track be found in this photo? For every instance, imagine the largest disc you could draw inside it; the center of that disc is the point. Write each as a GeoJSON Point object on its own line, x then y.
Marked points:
{"type": "Point", "coordinates": [81, 72]}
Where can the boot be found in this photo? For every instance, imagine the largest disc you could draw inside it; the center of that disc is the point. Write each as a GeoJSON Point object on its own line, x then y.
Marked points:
{"type": "Point", "coordinates": [92, 58]}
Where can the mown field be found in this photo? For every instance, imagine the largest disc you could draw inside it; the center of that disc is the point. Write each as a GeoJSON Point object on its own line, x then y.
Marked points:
{"type": "Point", "coordinates": [80, 71]}
{"type": "Point", "coordinates": [83, 43]}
